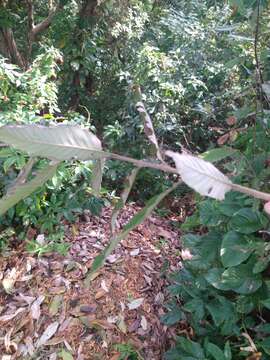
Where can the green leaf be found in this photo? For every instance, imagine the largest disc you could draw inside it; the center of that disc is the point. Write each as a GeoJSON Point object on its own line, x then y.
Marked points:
{"type": "Point", "coordinates": [227, 351]}
{"type": "Point", "coordinates": [234, 249]}
{"type": "Point", "coordinates": [172, 317]}
{"type": "Point", "coordinates": [205, 249]}
{"type": "Point", "coordinates": [247, 221]}
{"type": "Point", "coordinates": [232, 203]}
{"type": "Point", "coordinates": [134, 222]}
{"type": "Point", "coordinates": [65, 355]}
{"type": "Point", "coordinates": [266, 303]}
{"type": "Point", "coordinates": [239, 279]}
{"type": "Point", "coordinates": [265, 344]}
{"type": "Point", "coordinates": [210, 214]}
{"type": "Point", "coordinates": [20, 192]}
{"type": "Point", "coordinates": [190, 348]}
{"type": "Point", "coordinates": [61, 142]}
{"type": "Point", "coordinates": [215, 351]}
{"type": "Point", "coordinates": [261, 265]}
{"type": "Point", "coordinates": [196, 307]}
{"type": "Point", "coordinates": [218, 154]}
{"type": "Point", "coordinates": [221, 310]}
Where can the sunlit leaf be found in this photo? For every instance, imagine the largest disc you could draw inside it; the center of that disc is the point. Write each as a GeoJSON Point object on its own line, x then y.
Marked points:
{"type": "Point", "coordinates": [201, 175]}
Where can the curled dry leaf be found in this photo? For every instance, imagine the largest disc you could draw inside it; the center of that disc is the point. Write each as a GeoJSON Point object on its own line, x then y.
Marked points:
{"type": "Point", "coordinates": [9, 317]}
{"type": "Point", "coordinates": [223, 139]}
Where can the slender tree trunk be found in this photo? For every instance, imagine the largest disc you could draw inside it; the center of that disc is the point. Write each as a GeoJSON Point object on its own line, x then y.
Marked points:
{"type": "Point", "coordinates": [87, 11]}
{"type": "Point", "coordinates": [12, 49]}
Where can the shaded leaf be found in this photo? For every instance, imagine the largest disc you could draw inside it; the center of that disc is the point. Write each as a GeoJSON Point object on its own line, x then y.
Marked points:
{"type": "Point", "coordinates": [218, 154]}
{"type": "Point", "coordinates": [234, 249]}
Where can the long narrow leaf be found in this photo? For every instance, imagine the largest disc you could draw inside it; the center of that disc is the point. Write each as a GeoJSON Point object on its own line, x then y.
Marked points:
{"type": "Point", "coordinates": [61, 142]}
{"type": "Point", "coordinates": [201, 175]}
{"type": "Point", "coordinates": [20, 192]}
{"type": "Point", "coordinates": [134, 222]}
{"type": "Point", "coordinates": [123, 198]}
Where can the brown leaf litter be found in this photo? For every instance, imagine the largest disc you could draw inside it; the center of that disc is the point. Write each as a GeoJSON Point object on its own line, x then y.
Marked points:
{"type": "Point", "coordinates": [46, 312]}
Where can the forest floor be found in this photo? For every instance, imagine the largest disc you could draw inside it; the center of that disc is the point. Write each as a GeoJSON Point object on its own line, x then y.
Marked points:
{"type": "Point", "coordinates": [49, 313]}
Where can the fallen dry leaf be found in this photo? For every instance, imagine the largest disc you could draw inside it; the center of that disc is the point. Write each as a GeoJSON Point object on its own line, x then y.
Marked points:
{"type": "Point", "coordinates": [9, 281]}
{"type": "Point", "coordinates": [9, 317]}
{"type": "Point", "coordinates": [55, 305]}
{"type": "Point", "coordinates": [48, 334]}
{"type": "Point", "coordinates": [144, 323]}
{"type": "Point", "coordinates": [135, 304]}
{"type": "Point", "coordinates": [35, 307]}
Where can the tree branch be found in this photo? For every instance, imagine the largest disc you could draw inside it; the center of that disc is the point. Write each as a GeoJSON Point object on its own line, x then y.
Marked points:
{"type": "Point", "coordinates": [11, 45]}
{"type": "Point", "coordinates": [44, 24]}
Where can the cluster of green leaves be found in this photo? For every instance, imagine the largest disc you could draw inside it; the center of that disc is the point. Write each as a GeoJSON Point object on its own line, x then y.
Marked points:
{"type": "Point", "coordinates": [223, 290]}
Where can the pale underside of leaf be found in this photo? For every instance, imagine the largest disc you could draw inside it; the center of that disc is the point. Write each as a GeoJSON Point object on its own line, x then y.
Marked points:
{"type": "Point", "coordinates": [61, 142]}
{"type": "Point", "coordinates": [201, 175]}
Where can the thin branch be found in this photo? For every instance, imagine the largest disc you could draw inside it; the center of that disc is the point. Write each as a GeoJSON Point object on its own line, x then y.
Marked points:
{"type": "Point", "coordinates": [142, 163]}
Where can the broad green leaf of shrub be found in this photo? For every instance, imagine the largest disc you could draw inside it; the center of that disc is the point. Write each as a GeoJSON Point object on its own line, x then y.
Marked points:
{"type": "Point", "coordinates": [205, 249]}
{"type": "Point", "coordinates": [218, 154]}
{"type": "Point", "coordinates": [233, 202]}
{"type": "Point", "coordinates": [227, 351]}
{"type": "Point", "coordinates": [190, 348]}
{"type": "Point", "coordinates": [196, 307]}
{"type": "Point", "coordinates": [61, 142]}
{"type": "Point", "coordinates": [265, 344]}
{"type": "Point", "coordinates": [239, 279]}
{"type": "Point", "coordinates": [173, 316]}
{"type": "Point", "coordinates": [223, 314]}
{"type": "Point", "coordinates": [261, 265]}
{"type": "Point", "coordinates": [210, 214]}
{"type": "Point", "coordinates": [266, 303]}
{"type": "Point", "coordinates": [234, 249]}
{"type": "Point", "coordinates": [215, 351]}
{"type": "Point", "coordinates": [247, 221]}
